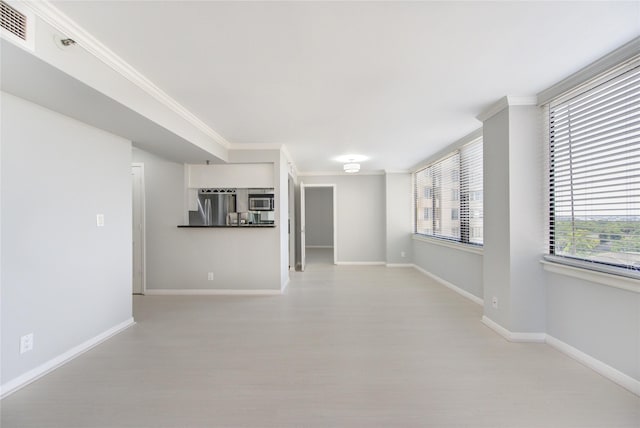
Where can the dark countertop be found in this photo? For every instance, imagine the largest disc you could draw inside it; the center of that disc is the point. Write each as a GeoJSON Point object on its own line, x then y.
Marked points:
{"type": "Point", "coordinates": [242, 226]}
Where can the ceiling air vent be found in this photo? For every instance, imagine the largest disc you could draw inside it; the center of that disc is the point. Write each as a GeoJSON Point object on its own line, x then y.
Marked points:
{"type": "Point", "coordinates": [13, 21]}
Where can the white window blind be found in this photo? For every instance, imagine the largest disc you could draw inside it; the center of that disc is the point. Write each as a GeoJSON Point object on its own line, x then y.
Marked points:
{"type": "Point", "coordinates": [471, 203]}
{"type": "Point", "coordinates": [594, 175]}
{"type": "Point", "coordinates": [448, 196]}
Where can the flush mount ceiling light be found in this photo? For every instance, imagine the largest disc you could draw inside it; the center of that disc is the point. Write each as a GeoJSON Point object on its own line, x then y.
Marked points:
{"type": "Point", "coordinates": [351, 162]}
{"type": "Point", "coordinates": [351, 158]}
{"type": "Point", "coordinates": [351, 167]}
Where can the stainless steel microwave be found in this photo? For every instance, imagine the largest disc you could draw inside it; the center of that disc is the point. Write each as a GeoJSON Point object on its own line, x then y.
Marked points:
{"type": "Point", "coordinates": [260, 202]}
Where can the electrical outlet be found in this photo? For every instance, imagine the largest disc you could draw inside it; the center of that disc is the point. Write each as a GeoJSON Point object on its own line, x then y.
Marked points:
{"type": "Point", "coordinates": [26, 343]}
{"type": "Point", "coordinates": [403, 254]}
{"type": "Point", "coordinates": [210, 276]}
{"type": "Point", "coordinates": [494, 302]}
{"type": "Point", "coordinates": [100, 220]}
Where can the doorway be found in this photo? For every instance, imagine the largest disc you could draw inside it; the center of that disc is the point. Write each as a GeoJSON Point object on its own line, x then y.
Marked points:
{"type": "Point", "coordinates": [318, 232]}
{"type": "Point", "coordinates": [138, 229]}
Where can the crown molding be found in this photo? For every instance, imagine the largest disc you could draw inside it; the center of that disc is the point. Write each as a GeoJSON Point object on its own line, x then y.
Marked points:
{"type": "Point", "coordinates": [287, 154]}
{"type": "Point", "coordinates": [54, 17]}
{"type": "Point", "coordinates": [507, 101]}
{"type": "Point", "coordinates": [293, 169]}
{"type": "Point", "coordinates": [254, 146]}
{"type": "Point", "coordinates": [456, 145]}
{"type": "Point", "coordinates": [397, 171]}
{"type": "Point", "coordinates": [624, 53]}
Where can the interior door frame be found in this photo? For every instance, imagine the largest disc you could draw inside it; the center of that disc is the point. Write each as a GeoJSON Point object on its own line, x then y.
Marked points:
{"type": "Point", "coordinates": [334, 188]}
{"type": "Point", "coordinates": [292, 222]}
{"type": "Point", "coordinates": [143, 228]}
{"type": "Point", "coordinates": [303, 225]}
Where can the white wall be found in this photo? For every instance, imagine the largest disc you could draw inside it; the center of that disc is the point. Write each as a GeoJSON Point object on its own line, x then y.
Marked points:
{"type": "Point", "coordinates": [497, 268]}
{"type": "Point", "coordinates": [599, 320]}
{"type": "Point", "coordinates": [513, 221]}
{"type": "Point", "coordinates": [361, 216]}
{"type": "Point", "coordinates": [63, 279]}
{"type": "Point", "coordinates": [399, 218]}
{"type": "Point", "coordinates": [319, 217]}
{"type": "Point", "coordinates": [527, 218]}
{"type": "Point", "coordinates": [458, 267]}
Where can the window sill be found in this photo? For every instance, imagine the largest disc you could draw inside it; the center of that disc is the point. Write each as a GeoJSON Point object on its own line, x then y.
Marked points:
{"type": "Point", "coordinates": [560, 266]}
{"type": "Point", "coordinates": [450, 244]}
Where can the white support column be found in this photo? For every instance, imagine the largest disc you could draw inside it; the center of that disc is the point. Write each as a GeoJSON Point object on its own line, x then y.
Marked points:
{"type": "Point", "coordinates": [514, 291]}
{"type": "Point", "coordinates": [399, 196]}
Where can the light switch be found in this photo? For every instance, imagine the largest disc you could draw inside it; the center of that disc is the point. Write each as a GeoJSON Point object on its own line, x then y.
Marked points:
{"type": "Point", "coordinates": [100, 220]}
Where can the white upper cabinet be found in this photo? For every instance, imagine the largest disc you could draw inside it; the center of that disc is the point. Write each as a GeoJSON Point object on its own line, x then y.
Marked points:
{"type": "Point", "coordinates": [231, 175]}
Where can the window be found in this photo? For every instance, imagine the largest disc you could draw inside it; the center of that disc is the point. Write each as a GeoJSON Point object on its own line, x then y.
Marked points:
{"type": "Point", "coordinates": [594, 173]}
{"type": "Point", "coordinates": [475, 196]}
{"type": "Point", "coordinates": [455, 192]}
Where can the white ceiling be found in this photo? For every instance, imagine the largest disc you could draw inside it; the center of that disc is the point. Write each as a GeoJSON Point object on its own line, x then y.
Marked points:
{"type": "Point", "coordinates": [395, 81]}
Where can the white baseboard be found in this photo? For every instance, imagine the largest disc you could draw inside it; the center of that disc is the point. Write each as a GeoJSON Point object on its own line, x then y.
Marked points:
{"type": "Point", "coordinates": [598, 366]}
{"type": "Point", "coordinates": [594, 364]}
{"type": "Point", "coordinates": [361, 263]}
{"type": "Point", "coordinates": [285, 286]}
{"type": "Point", "coordinates": [512, 336]}
{"type": "Point", "coordinates": [399, 265]}
{"type": "Point", "coordinates": [453, 287]}
{"type": "Point", "coordinates": [34, 374]}
{"type": "Point", "coordinates": [211, 292]}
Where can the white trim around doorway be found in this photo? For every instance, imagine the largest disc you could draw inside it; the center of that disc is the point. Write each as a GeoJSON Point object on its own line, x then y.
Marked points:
{"type": "Point", "coordinates": [143, 225]}
{"type": "Point", "coordinates": [334, 188]}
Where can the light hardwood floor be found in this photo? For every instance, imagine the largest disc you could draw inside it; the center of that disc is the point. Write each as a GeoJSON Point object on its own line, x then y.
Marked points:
{"type": "Point", "coordinates": [347, 346]}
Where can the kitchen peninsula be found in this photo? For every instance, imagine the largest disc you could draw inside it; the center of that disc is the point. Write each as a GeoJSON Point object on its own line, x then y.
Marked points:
{"type": "Point", "coordinates": [225, 226]}
{"type": "Point", "coordinates": [180, 259]}
{"type": "Point", "coordinates": [233, 207]}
